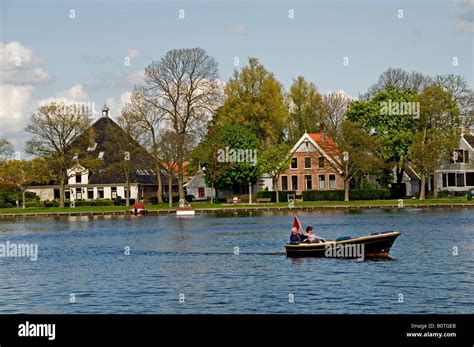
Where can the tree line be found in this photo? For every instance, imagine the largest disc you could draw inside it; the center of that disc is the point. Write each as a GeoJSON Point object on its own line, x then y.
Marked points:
{"type": "Point", "coordinates": [183, 112]}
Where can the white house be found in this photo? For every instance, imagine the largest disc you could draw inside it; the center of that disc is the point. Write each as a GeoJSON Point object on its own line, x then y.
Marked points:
{"type": "Point", "coordinates": [457, 175]}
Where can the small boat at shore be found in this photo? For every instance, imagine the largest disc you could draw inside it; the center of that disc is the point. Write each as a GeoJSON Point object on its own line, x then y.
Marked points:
{"type": "Point", "coordinates": [138, 210]}
{"type": "Point", "coordinates": [376, 245]}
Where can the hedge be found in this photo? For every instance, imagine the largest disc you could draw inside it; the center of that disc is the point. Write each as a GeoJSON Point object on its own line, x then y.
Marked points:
{"type": "Point", "coordinates": [338, 195]}
{"type": "Point", "coordinates": [282, 194]}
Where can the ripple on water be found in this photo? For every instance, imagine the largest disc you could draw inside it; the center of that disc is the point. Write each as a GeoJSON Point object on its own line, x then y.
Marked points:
{"type": "Point", "coordinates": [195, 257]}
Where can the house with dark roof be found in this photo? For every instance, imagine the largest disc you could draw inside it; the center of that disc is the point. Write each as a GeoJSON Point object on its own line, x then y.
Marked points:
{"type": "Point", "coordinates": [313, 165]}
{"type": "Point", "coordinates": [106, 181]}
{"type": "Point", "coordinates": [457, 174]}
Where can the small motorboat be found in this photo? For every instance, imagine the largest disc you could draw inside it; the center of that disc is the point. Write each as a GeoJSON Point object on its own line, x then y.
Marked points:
{"type": "Point", "coordinates": [376, 245]}
{"type": "Point", "coordinates": [138, 210]}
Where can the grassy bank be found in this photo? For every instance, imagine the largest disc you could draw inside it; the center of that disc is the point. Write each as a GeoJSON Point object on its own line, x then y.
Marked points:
{"type": "Point", "coordinates": [206, 205]}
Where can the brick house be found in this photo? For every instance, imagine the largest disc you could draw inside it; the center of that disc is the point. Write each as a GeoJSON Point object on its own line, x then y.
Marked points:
{"type": "Point", "coordinates": [313, 165]}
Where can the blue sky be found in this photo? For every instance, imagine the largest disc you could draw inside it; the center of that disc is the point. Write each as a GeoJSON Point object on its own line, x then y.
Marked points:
{"type": "Point", "coordinates": [83, 57]}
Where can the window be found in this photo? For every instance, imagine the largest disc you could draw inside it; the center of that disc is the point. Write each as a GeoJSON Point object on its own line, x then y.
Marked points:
{"type": "Point", "coordinates": [309, 181]}
{"type": "Point", "coordinates": [460, 180]}
{"type": "Point", "coordinates": [469, 179]}
{"type": "Point", "coordinates": [307, 163]}
{"type": "Point", "coordinates": [90, 193]}
{"type": "Point", "coordinates": [114, 192]}
{"type": "Point", "coordinates": [100, 192]}
{"type": "Point", "coordinates": [284, 182]}
{"type": "Point", "coordinates": [201, 192]}
{"type": "Point", "coordinates": [466, 156]}
{"type": "Point", "coordinates": [78, 178]}
{"type": "Point", "coordinates": [294, 163]}
{"type": "Point", "coordinates": [332, 181]}
{"type": "Point", "coordinates": [78, 194]}
{"type": "Point", "coordinates": [101, 155]}
{"type": "Point", "coordinates": [445, 180]}
{"type": "Point", "coordinates": [457, 156]}
{"type": "Point", "coordinates": [294, 182]}
{"type": "Point", "coordinates": [67, 195]}
{"type": "Point", "coordinates": [322, 182]}
{"type": "Point", "coordinates": [451, 179]}
{"type": "Point", "coordinates": [321, 162]}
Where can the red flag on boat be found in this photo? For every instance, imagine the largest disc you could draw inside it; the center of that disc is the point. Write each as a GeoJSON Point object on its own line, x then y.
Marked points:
{"type": "Point", "coordinates": [297, 225]}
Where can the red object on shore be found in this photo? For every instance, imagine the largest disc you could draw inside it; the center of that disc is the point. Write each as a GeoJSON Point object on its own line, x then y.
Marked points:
{"type": "Point", "coordinates": [138, 210]}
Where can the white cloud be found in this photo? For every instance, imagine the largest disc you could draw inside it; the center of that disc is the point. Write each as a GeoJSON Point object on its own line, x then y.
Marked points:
{"type": "Point", "coordinates": [19, 65]}
{"type": "Point", "coordinates": [76, 94]}
{"type": "Point", "coordinates": [17, 104]}
{"type": "Point", "coordinates": [340, 91]}
{"type": "Point", "coordinates": [132, 53]}
{"type": "Point", "coordinates": [134, 78]}
{"type": "Point", "coordinates": [115, 105]}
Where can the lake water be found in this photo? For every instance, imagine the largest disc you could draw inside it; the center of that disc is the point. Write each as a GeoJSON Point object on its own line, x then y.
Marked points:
{"type": "Point", "coordinates": [193, 259]}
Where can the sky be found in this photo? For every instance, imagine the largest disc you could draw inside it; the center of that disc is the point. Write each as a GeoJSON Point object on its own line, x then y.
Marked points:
{"type": "Point", "coordinates": [96, 51]}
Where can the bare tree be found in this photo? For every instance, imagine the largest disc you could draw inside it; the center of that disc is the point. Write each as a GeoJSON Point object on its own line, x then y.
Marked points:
{"type": "Point", "coordinates": [462, 94]}
{"type": "Point", "coordinates": [335, 107]}
{"type": "Point", "coordinates": [168, 148]}
{"type": "Point", "coordinates": [145, 120]}
{"type": "Point", "coordinates": [54, 128]}
{"type": "Point", "coordinates": [399, 79]}
{"type": "Point", "coordinates": [6, 149]}
{"type": "Point", "coordinates": [184, 86]}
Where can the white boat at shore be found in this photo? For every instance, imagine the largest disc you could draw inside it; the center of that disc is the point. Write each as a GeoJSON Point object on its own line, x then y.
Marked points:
{"type": "Point", "coordinates": [185, 209]}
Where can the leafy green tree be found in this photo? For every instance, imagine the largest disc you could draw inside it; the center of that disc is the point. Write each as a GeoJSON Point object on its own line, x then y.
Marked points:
{"type": "Point", "coordinates": [224, 171]}
{"type": "Point", "coordinates": [22, 173]}
{"type": "Point", "coordinates": [254, 99]}
{"type": "Point", "coordinates": [275, 160]}
{"type": "Point", "coordinates": [353, 151]}
{"type": "Point", "coordinates": [390, 115]}
{"type": "Point", "coordinates": [438, 131]}
{"type": "Point", "coordinates": [54, 129]}
{"type": "Point", "coordinates": [205, 155]}
{"type": "Point", "coordinates": [306, 107]}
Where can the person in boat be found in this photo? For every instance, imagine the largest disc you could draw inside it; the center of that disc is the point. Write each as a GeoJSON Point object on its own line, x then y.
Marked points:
{"type": "Point", "coordinates": [313, 238]}
{"type": "Point", "coordinates": [295, 236]}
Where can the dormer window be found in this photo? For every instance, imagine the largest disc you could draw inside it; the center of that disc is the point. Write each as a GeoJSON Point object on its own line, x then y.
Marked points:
{"type": "Point", "coordinates": [101, 155]}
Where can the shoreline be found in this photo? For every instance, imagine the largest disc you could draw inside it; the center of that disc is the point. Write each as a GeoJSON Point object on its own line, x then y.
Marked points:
{"type": "Point", "coordinates": [158, 212]}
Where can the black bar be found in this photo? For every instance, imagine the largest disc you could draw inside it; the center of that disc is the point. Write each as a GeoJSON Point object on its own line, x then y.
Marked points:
{"type": "Point", "coordinates": [337, 330]}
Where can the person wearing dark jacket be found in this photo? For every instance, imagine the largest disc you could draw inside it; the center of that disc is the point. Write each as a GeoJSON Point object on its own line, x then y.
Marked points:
{"type": "Point", "coordinates": [295, 237]}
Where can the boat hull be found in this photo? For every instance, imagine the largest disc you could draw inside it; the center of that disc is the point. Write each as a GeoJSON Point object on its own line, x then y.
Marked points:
{"type": "Point", "coordinates": [185, 212]}
{"type": "Point", "coordinates": [371, 246]}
